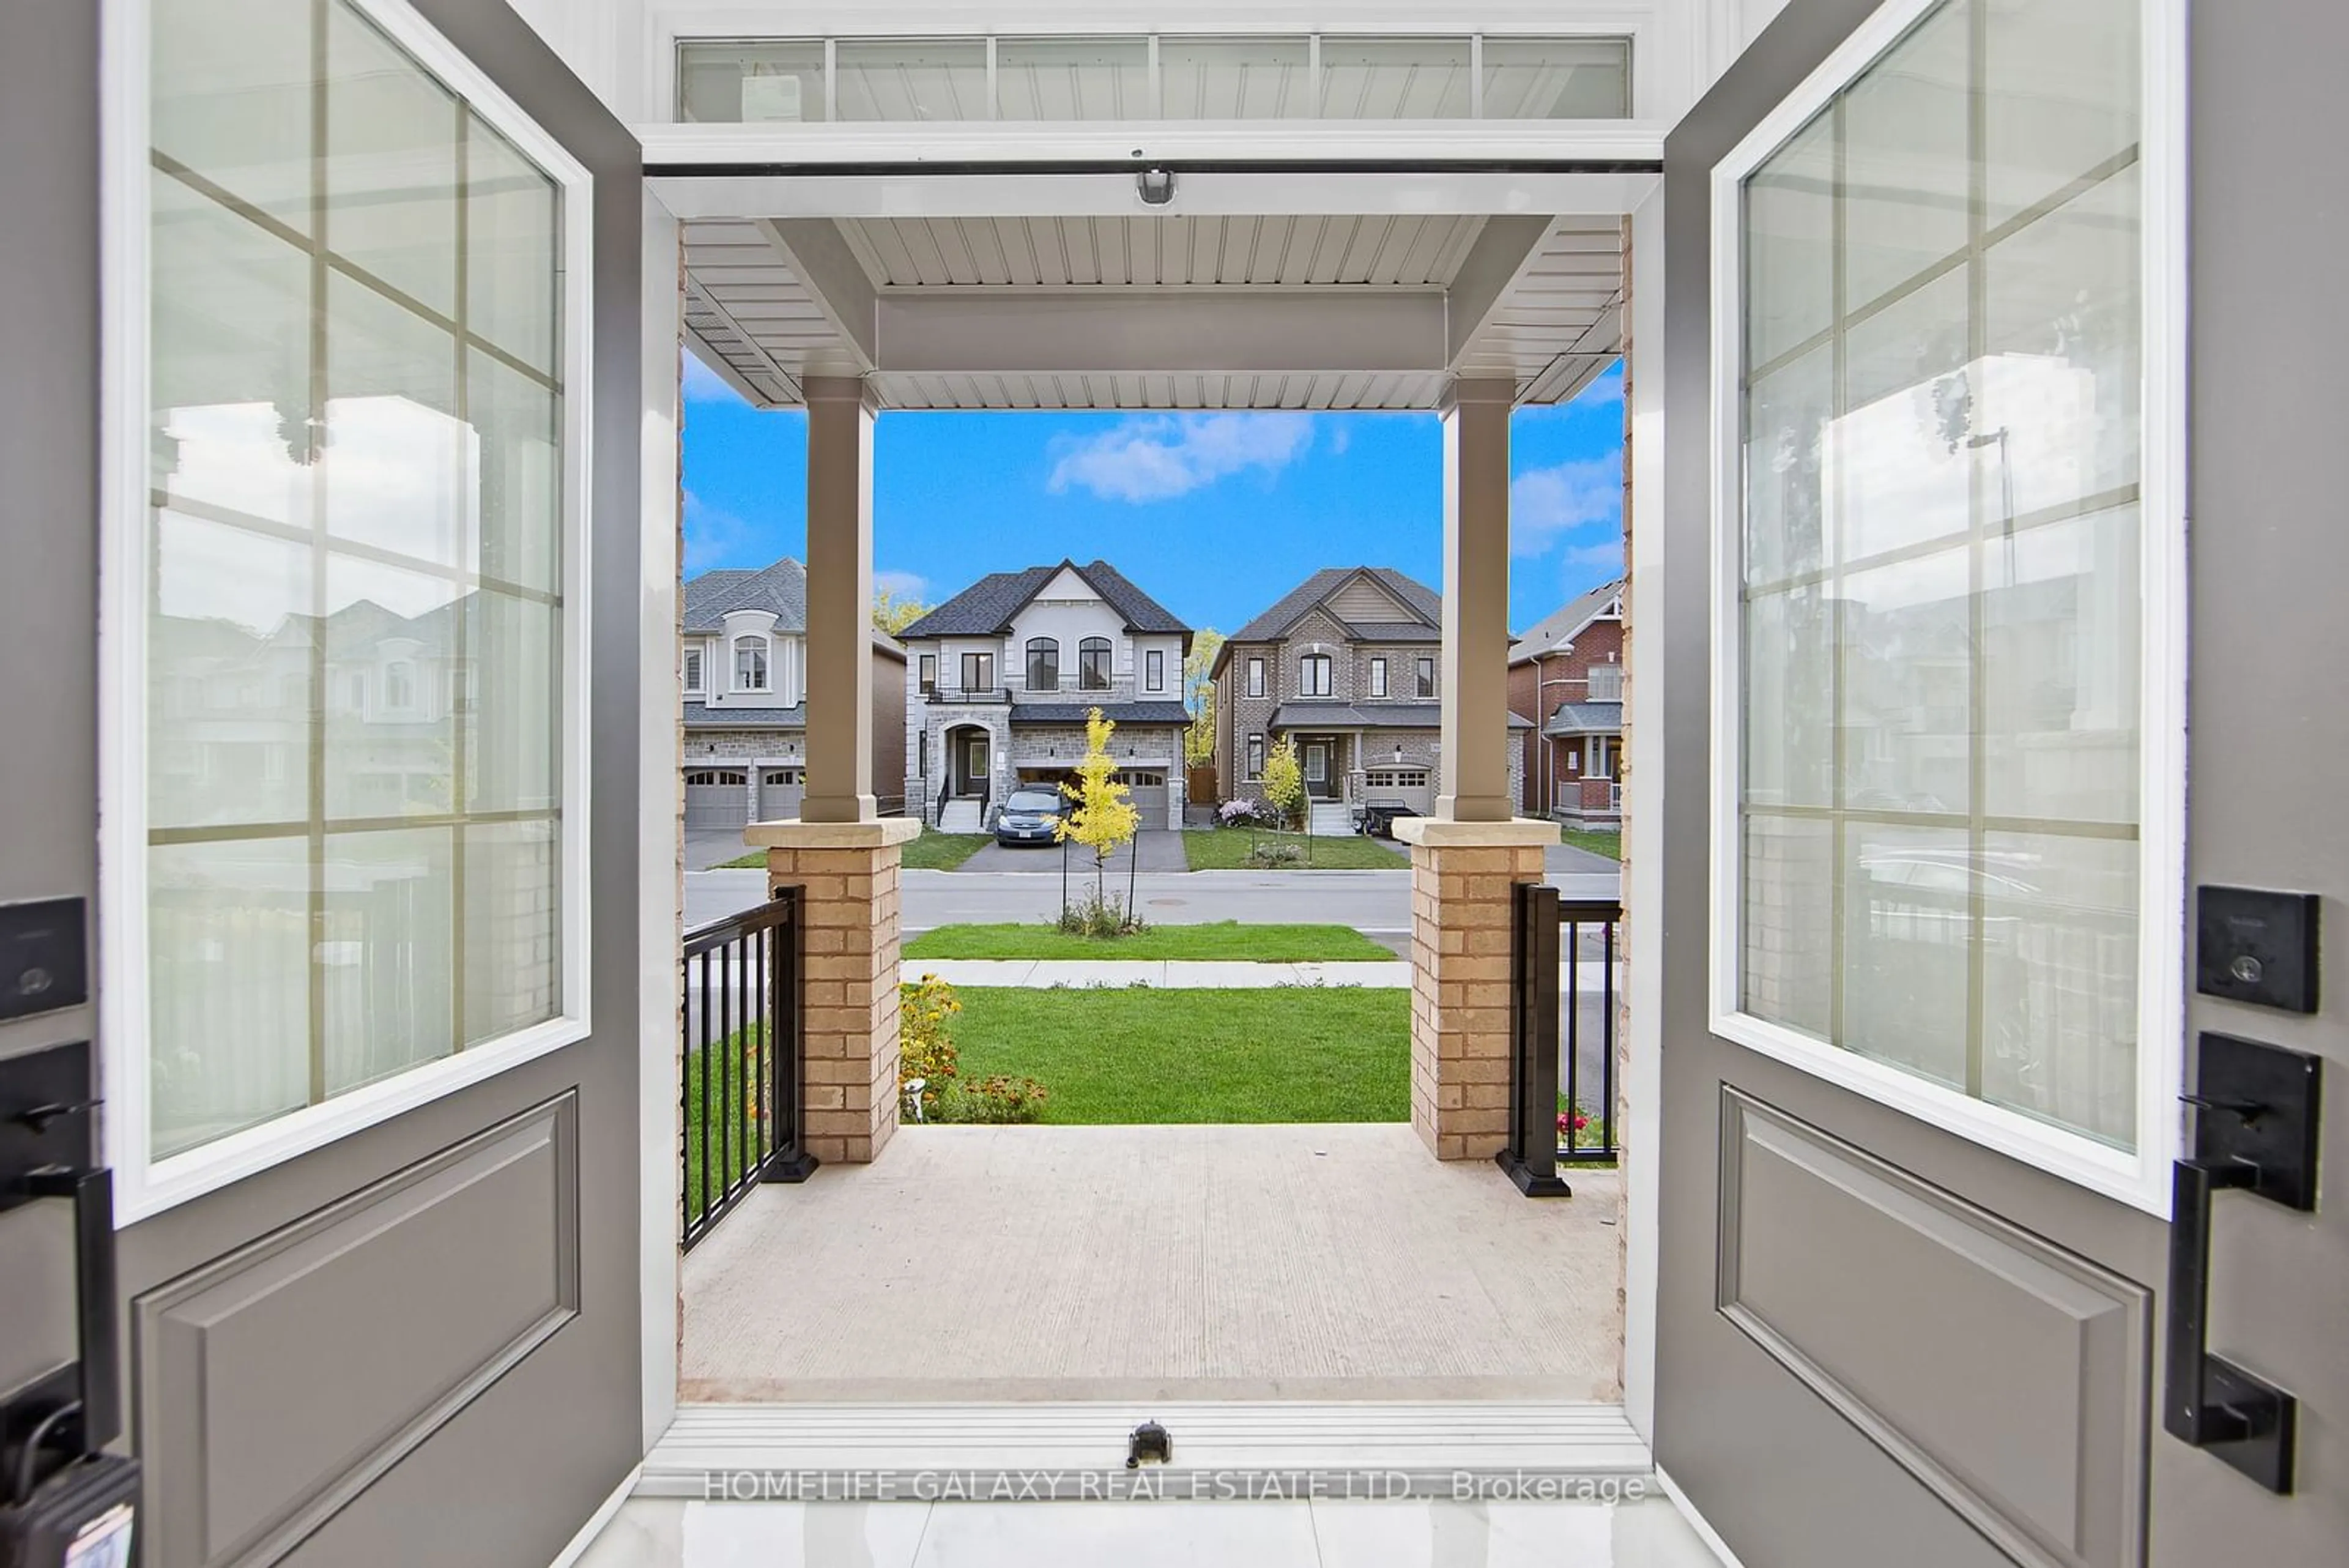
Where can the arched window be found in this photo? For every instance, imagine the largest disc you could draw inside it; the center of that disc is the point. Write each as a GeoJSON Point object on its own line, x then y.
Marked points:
{"type": "Point", "coordinates": [751, 663]}
{"type": "Point", "coordinates": [1043, 664]}
{"type": "Point", "coordinates": [1092, 664]}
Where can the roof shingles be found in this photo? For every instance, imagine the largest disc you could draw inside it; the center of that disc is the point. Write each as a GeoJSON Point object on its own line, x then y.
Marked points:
{"type": "Point", "coordinates": [986, 609]}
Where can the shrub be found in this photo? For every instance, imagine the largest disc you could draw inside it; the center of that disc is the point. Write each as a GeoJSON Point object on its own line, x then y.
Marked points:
{"type": "Point", "coordinates": [995, 1101]}
{"type": "Point", "coordinates": [1100, 917]}
{"type": "Point", "coordinates": [1274, 854]}
{"type": "Point", "coordinates": [1243, 812]}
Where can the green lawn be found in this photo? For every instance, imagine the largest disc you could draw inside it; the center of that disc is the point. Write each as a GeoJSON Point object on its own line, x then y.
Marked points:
{"type": "Point", "coordinates": [1227, 849]}
{"type": "Point", "coordinates": [930, 852]}
{"type": "Point", "coordinates": [1220, 940]}
{"type": "Point", "coordinates": [1295, 1055]}
{"type": "Point", "coordinates": [1609, 843]}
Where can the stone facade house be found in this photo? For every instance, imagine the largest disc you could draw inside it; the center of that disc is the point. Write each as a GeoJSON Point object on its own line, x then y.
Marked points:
{"type": "Point", "coordinates": [1566, 675]}
{"type": "Point", "coordinates": [1348, 662]}
{"type": "Point", "coordinates": [744, 673]}
{"type": "Point", "coordinates": [1000, 679]}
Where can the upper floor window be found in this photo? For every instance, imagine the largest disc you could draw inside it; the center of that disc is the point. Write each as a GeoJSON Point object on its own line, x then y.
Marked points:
{"type": "Point", "coordinates": [1092, 664]}
{"type": "Point", "coordinates": [1255, 677]}
{"type": "Point", "coordinates": [751, 663]}
{"type": "Point", "coordinates": [1378, 677]}
{"type": "Point", "coordinates": [1313, 675]}
{"type": "Point", "coordinates": [1043, 664]}
{"type": "Point", "coordinates": [929, 669]}
{"type": "Point", "coordinates": [1107, 77]}
{"type": "Point", "coordinates": [693, 670]}
{"type": "Point", "coordinates": [399, 687]}
{"type": "Point", "coordinates": [1154, 670]}
{"type": "Point", "coordinates": [1606, 683]}
{"type": "Point", "coordinates": [1425, 678]}
{"type": "Point", "coordinates": [979, 672]}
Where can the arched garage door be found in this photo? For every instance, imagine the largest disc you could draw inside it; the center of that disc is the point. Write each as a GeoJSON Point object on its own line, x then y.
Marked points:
{"type": "Point", "coordinates": [780, 789]}
{"type": "Point", "coordinates": [718, 797]}
{"type": "Point", "coordinates": [1399, 786]}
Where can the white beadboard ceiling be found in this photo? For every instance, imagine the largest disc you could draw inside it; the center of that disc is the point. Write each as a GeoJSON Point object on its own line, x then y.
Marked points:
{"type": "Point", "coordinates": [1553, 329]}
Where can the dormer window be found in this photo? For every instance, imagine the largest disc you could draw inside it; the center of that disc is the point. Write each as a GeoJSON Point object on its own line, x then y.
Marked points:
{"type": "Point", "coordinates": [751, 663]}
{"type": "Point", "coordinates": [1043, 664]}
{"type": "Point", "coordinates": [1092, 664]}
{"type": "Point", "coordinates": [693, 670]}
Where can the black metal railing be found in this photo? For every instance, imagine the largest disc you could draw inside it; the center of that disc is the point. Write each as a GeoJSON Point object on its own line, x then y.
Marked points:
{"type": "Point", "coordinates": [1562, 1036]}
{"type": "Point", "coordinates": [743, 1098]}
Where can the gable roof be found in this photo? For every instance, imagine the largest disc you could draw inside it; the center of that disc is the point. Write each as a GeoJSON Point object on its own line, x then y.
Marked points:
{"type": "Point", "coordinates": [987, 607]}
{"type": "Point", "coordinates": [780, 590]}
{"type": "Point", "coordinates": [1565, 623]}
{"type": "Point", "coordinates": [1324, 585]}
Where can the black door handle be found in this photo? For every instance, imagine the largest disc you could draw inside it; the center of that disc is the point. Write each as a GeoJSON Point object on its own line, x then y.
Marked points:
{"type": "Point", "coordinates": [2256, 1133]}
{"type": "Point", "coordinates": [91, 1192]}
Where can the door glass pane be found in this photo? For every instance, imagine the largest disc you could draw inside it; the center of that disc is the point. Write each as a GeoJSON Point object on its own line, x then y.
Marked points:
{"type": "Point", "coordinates": [354, 560]}
{"type": "Point", "coordinates": [1235, 78]}
{"type": "Point", "coordinates": [1557, 79]}
{"type": "Point", "coordinates": [912, 79]}
{"type": "Point", "coordinates": [1394, 79]}
{"type": "Point", "coordinates": [1072, 79]}
{"type": "Point", "coordinates": [728, 80]}
{"type": "Point", "coordinates": [1941, 610]}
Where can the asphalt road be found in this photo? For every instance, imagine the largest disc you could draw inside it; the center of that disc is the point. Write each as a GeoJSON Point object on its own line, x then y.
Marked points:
{"type": "Point", "coordinates": [1377, 902]}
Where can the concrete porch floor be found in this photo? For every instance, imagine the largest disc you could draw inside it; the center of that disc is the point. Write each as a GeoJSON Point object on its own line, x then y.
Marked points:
{"type": "Point", "coordinates": [1303, 1261]}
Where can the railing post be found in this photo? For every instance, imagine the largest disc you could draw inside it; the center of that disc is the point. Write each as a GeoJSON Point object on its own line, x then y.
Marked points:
{"type": "Point", "coordinates": [787, 1027]}
{"type": "Point", "coordinates": [1531, 1157]}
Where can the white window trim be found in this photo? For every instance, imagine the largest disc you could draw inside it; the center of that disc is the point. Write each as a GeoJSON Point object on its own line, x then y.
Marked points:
{"type": "Point", "coordinates": [145, 1186]}
{"type": "Point", "coordinates": [2140, 1179]}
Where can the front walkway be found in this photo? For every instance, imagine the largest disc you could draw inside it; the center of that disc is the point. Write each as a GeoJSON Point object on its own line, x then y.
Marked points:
{"type": "Point", "coordinates": [1315, 1262]}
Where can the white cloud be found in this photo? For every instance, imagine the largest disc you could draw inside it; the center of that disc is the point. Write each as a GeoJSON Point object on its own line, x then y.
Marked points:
{"type": "Point", "coordinates": [1583, 562]}
{"type": "Point", "coordinates": [712, 536]}
{"type": "Point", "coordinates": [1159, 458]}
{"type": "Point", "coordinates": [1341, 436]}
{"type": "Point", "coordinates": [703, 385]}
{"type": "Point", "coordinates": [901, 586]}
{"type": "Point", "coordinates": [1544, 503]}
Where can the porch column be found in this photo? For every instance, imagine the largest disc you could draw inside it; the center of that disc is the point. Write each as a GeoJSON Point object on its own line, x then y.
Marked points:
{"type": "Point", "coordinates": [1465, 857]}
{"type": "Point", "coordinates": [838, 852]}
{"type": "Point", "coordinates": [840, 601]}
{"type": "Point", "coordinates": [1476, 671]}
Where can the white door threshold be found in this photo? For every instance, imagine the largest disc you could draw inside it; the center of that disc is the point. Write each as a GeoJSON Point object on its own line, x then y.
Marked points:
{"type": "Point", "coordinates": [802, 1452]}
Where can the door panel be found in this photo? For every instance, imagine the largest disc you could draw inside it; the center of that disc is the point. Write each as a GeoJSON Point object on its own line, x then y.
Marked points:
{"type": "Point", "coordinates": [1879, 1341]}
{"type": "Point", "coordinates": [419, 1341]}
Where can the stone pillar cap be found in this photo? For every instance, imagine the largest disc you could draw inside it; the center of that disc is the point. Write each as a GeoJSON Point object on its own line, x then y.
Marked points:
{"type": "Point", "coordinates": [1442, 832]}
{"type": "Point", "coordinates": [790, 833]}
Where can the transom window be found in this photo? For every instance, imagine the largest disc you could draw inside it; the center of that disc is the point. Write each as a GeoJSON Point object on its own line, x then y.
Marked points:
{"type": "Point", "coordinates": [1043, 664]}
{"type": "Point", "coordinates": [1092, 664]}
{"type": "Point", "coordinates": [1936, 548]}
{"type": "Point", "coordinates": [1313, 676]}
{"type": "Point", "coordinates": [1134, 76]}
{"type": "Point", "coordinates": [357, 330]}
{"type": "Point", "coordinates": [750, 662]}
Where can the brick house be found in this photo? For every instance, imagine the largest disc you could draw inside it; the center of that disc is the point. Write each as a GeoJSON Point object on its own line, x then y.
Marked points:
{"type": "Point", "coordinates": [745, 679]}
{"type": "Point", "coordinates": [1000, 679]}
{"type": "Point", "coordinates": [1565, 676]}
{"type": "Point", "coordinates": [1348, 663]}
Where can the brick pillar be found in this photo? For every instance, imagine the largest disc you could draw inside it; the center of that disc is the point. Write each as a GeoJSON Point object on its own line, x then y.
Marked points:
{"type": "Point", "coordinates": [847, 875]}
{"type": "Point", "coordinates": [1461, 873]}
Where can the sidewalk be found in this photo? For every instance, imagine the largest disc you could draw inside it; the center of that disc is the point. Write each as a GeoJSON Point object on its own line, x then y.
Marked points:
{"type": "Point", "coordinates": [1176, 974]}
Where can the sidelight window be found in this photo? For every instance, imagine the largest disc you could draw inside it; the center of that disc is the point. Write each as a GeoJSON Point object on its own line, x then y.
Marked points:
{"type": "Point", "coordinates": [1948, 870]}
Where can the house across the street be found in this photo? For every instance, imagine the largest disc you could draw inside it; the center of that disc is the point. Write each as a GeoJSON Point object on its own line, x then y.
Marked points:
{"type": "Point", "coordinates": [1347, 663]}
{"type": "Point", "coordinates": [999, 679]}
{"type": "Point", "coordinates": [1566, 675]}
{"type": "Point", "coordinates": [745, 679]}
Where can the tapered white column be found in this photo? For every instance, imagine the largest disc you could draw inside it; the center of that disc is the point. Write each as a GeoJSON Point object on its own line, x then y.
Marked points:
{"type": "Point", "coordinates": [840, 601]}
{"type": "Point", "coordinates": [1476, 686]}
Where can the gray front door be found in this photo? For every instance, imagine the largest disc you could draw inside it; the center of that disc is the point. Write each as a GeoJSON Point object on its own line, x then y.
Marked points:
{"type": "Point", "coordinates": [1928, 989]}
{"type": "Point", "coordinates": [304, 425]}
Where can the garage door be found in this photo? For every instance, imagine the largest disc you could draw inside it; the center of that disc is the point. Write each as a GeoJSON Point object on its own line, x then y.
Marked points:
{"type": "Point", "coordinates": [717, 797]}
{"type": "Point", "coordinates": [780, 789]}
{"type": "Point", "coordinates": [1147, 789]}
{"type": "Point", "coordinates": [1399, 786]}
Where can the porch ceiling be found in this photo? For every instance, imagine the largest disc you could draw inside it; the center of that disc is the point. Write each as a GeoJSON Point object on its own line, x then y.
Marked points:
{"type": "Point", "coordinates": [1156, 311]}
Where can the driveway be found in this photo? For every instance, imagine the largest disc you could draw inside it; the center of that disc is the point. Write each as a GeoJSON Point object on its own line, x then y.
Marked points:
{"type": "Point", "coordinates": [708, 846]}
{"type": "Point", "coordinates": [1160, 849]}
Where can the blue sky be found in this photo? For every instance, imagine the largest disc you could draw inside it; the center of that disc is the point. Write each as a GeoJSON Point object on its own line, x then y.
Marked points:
{"type": "Point", "coordinates": [1213, 515]}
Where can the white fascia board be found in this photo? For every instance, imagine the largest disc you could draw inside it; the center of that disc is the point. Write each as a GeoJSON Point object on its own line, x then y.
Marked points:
{"type": "Point", "coordinates": [1235, 333]}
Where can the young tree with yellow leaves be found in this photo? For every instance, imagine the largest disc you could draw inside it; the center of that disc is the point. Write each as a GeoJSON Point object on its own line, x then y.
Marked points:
{"type": "Point", "coordinates": [1102, 817]}
{"type": "Point", "coordinates": [1284, 780]}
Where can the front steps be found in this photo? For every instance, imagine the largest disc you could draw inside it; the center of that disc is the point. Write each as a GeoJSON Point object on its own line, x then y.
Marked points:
{"type": "Point", "coordinates": [1330, 819]}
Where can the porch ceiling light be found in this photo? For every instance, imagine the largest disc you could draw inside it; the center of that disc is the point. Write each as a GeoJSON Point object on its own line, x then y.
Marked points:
{"type": "Point", "coordinates": [1155, 185]}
